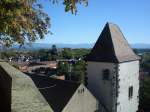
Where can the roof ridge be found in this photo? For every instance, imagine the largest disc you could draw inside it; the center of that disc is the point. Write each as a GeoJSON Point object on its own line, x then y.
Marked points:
{"type": "Point", "coordinates": [112, 38]}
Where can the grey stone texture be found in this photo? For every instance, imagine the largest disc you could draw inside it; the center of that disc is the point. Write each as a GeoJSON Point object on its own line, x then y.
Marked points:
{"type": "Point", "coordinates": [18, 92]}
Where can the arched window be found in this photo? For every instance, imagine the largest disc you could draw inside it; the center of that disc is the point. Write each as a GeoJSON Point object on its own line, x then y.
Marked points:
{"type": "Point", "coordinates": [106, 73]}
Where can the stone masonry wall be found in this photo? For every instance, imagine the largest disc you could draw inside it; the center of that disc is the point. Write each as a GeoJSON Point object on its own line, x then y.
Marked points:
{"type": "Point", "coordinates": [18, 92]}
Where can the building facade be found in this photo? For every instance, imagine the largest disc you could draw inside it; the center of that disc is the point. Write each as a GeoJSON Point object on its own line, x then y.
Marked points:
{"type": "Point", "coordinates": [113, 71]}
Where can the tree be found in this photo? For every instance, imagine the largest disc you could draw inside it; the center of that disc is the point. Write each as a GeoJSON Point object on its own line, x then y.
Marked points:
{"type": "Point", "coordinates": [54, 52]}
{"type": "Point", "coordinates": [78, 71]}
{"type": "Point", "coordinates": [25, 21]}
{"type": "Point", "coordinates": [42, 54]}
{"type": "Point", "coordinates": [22, 20]}
{"type": "Point", "coordinates": [66, 53]}
{"type": "Point", "coordinates": [145, 63]}
{"type": "Point", "coordinates": [8, 54]}
{"type": "Point", "coordinates": [63, 68]}
{"type": "Point", "coordinates": [70, 5]}
{"type": "Point", "coordinates": [80, 53]}
{"type": "Point", "coordinates": [145, 95]}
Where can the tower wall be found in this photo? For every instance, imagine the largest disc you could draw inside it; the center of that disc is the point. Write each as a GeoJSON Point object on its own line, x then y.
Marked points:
{"type": "Point", "coordinates": [128, 75]}
{"type": "Point", "coordinates": [101, 89]}
{"type": "Point", "coordinates": [119, 92]}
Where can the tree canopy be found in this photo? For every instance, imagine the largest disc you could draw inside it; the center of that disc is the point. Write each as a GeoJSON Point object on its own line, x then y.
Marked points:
{"type": "Point", "coordinates": [145, 62]}
{"type": "Point", "coordinates": [145, 95]}
{"type": "Point", "coordinates": [25, 21]}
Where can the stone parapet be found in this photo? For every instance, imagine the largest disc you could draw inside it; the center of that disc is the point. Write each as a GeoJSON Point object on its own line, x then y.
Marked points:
{"type": "Point", "coordinates": [18, 92]}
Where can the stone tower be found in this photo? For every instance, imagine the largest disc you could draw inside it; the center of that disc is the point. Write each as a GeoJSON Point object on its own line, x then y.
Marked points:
{"type": "Point", "coordinates": [113, 71]}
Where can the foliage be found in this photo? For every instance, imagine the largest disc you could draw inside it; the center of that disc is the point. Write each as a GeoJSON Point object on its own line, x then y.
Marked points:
{"type": "Point", "coordinates": [135, 51]}
{"type": "Point", "coordinates": [42, 54]}
{"type": "Point", "coordinates": [22, 20]}
{"type": "Point", "coordinates": [78, 71]}
{"type": "Point", "coordinates": [78, 68]}
{"type": "Point", "coordinates": [146, 57]}
{"type": "Point", "coordinates": [7, 54]}
{"type": "Point", "coordinates": [145, 62]}
{"type": "Point", "coordinates": [145, 94]}
{"type": "Point", "coordinates": [70, 5]}
{"type": "Point", "coordinates": [47, 54]}
{"type": "Point", "coordinates": [145, 83]}
{"type": "Point", "coordinates": [80, 53]}
{"type": "Point", "coordinates": [141, 51]}
{"type": "Point", "coordinates": [25, 21]}
{"type": "Point", "coordinates": [66, 53]}
{"type": "Point", "coordinates": [54, 52]}
{"type": "Point", "coordinates": [63, 68]}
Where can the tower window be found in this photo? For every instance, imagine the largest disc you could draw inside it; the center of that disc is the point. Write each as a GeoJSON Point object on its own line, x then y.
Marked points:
{"type": "Point", "coordinates": [130, 92]}
{"type": "Point", "coordinates": [106, 74]}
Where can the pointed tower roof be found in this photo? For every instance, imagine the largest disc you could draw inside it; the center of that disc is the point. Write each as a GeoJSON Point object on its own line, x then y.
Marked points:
{"type": "Point", "coordinates": [111, 46]}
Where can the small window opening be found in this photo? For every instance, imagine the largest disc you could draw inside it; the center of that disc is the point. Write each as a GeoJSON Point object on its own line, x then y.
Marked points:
{"type": "Point", "coordinates": [80, 91]}
{"type": "Point", "coordinates": [106, 73]}
{"type": "Point", "coordinates": [130, 92]}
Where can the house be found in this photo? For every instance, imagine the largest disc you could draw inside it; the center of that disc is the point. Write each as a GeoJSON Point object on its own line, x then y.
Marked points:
{"type": "Point", "coordinates": [113, 71]}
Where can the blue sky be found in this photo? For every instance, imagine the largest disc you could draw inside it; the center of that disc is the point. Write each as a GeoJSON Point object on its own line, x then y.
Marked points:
{"type": "Point", "coordinates": [132, 16]}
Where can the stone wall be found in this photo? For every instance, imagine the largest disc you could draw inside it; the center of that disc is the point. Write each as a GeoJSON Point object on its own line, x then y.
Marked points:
{"type": "Point", "coordinates": [101, 89]}
{"type": "Point", "coordinates": [128, 76]}
{"type": "Point", "coordinates": [5, 91]}
{"type": "Point", "coordinates": [18, 92]}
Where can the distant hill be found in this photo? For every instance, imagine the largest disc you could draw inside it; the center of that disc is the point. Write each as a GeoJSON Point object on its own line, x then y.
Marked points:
{"type": "Point", "coordinates": [141, 46]}
{"type": "Point", "coordinates": [47, 46]}
{"type": "Point", "coordinates": [84, 45]}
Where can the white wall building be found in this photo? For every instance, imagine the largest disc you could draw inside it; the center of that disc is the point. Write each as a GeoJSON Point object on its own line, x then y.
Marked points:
{"type": "Point", "coordinates": [113, 71]}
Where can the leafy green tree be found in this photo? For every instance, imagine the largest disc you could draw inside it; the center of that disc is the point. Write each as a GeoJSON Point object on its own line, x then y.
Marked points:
{"type": "Point", "coordinates": [146, 57]}
{"type": "Point", "coordinates": [66, 53]}
{"type": "Point", "coordinates": [145, 62]}
{"type": "Point", "coordinates": [136, 51]}
{"type": "Point", "coordinates": [42, 54]}
{"type": "Point", "coordinates": [80, 53]}
{"type": "Point", "coordinates": [54, 52]}
{"type": "Point", "coordinates": [22, 20]}
{"type": "Point", "coordinates": [78, 71]}
{"type": "Point", "coordinates": [70, 5]}
{"type": "Point", "coordinates": [63, 68]}
{"type": "Point", "coordinates": [8, 54]}
{"type": "Point", "coordinates": [145, 95]}
{"type": "Point", "coordinates": [25, 21]}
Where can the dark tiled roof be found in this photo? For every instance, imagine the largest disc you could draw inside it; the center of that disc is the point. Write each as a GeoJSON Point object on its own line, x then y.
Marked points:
{"type": "Point", "coordinates": [111, 46]}
{"type": "Point", "coordinates": [56, 92]}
